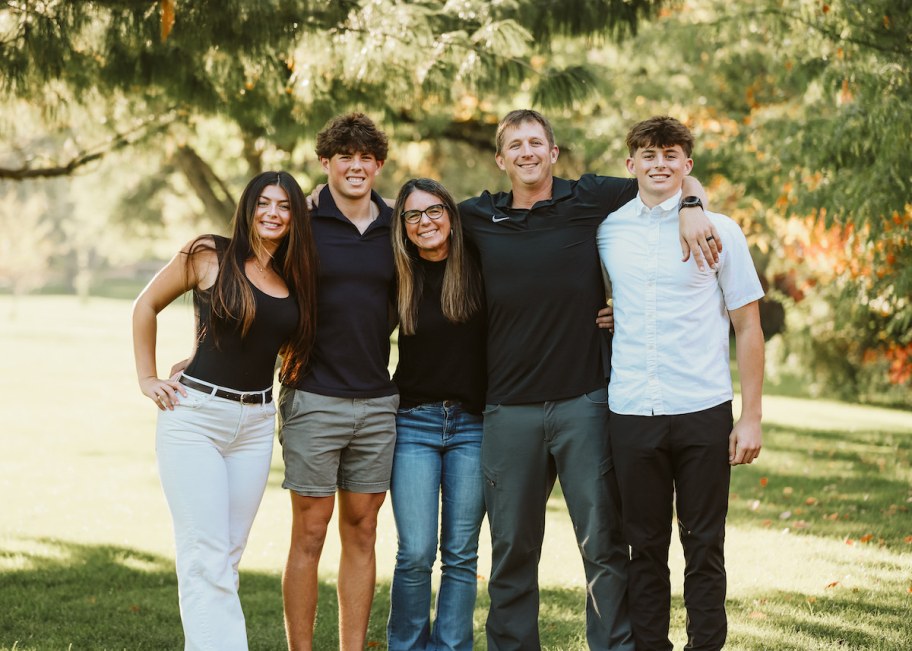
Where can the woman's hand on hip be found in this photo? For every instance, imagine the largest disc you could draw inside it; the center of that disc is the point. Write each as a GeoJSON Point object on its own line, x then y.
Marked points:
{"type": "Point", "coordinates": [162, 392]}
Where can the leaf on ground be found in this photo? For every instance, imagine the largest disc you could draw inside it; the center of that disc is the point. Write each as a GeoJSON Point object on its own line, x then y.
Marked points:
{"type": "Point", "coordinates": [868, 537]}
{"type": "Point", "coordinates": [785, 515]}
{"type": "Point", "coordinates": [832, 585]}
{"type": "Point", "coordinates": [849, 541]}
{"type": "Point", "coordinates": [756, 614]}
{"type": "Point", "coordinates": [763, 482]}
{"type": "Point", "coordinates": [908, 540]}
{"type": "Point", "coordinates": [811, 501]}
{"type": "Point", "coordinates": [788, 490]}
{"type": "Point", "coordinates": [754, 505]}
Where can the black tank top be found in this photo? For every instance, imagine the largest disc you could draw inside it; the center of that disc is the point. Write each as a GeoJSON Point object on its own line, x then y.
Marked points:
{"type": "Point", "coordinates": [246, 364]}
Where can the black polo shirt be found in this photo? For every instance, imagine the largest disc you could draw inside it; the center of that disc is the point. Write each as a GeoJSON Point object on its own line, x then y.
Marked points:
{"type": "Point", "coordinates": [354, 288]}
{"type": "Point", "coordinates": [543, 284]}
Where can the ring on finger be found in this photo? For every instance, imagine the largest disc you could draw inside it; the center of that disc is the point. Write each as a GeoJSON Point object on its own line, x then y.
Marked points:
{"type": "Point", "coordinates": [710, 238]}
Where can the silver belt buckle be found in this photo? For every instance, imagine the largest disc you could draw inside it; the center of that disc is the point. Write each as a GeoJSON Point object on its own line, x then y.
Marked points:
{"type": "Point", "coordinates": [245, 401]}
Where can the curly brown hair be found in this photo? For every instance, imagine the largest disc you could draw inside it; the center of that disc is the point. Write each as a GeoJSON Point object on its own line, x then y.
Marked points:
{"type": "Point", "coordinates": [353, 133]}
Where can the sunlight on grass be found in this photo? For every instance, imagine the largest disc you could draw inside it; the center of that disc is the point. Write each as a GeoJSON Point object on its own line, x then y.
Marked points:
{"type": "Point", "coordinates": [819, 541]}
{"type": "Point", "coordinates": [835, 416]}
{"type": "Point", "coordinates": [24, 554]}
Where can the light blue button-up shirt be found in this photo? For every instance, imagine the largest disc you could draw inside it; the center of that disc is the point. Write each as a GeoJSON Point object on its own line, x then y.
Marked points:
{"type": "Point", "coordinates": [671, 336]}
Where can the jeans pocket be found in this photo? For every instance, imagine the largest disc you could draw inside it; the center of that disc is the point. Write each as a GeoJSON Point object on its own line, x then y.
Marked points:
{"type": "Point", "coordinates": [490, 409]}
{"type": "Point", "coordinates": [268, 410]}
{"type": "Point", "coordinates": [405, 411]}
{"type": "Point", "coordinates": [194, 399]}
{"type": "Point", "coordinates": [598, 397]}
{"type": "Point", "coordinates": [286, 406]}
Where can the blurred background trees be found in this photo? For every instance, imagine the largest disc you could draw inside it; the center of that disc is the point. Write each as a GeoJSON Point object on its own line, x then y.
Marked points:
{"type": "Point", "coordinates": [130, 125]}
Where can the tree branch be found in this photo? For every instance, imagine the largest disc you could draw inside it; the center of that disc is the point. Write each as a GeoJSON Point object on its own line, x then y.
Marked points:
{"type": "Point", "coordinates": [826, 32]}
{"type": "Point", "coordinates": [118, 141]}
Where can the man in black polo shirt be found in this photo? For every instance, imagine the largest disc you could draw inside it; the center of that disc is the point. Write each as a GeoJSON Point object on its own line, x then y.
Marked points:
{"type": "Point", "coordinates": [338, 424]}
{"type": "Point", "coordinates": [547, 400]}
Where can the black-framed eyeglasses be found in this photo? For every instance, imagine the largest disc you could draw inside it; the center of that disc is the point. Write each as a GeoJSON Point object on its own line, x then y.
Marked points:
{"type": "Point", "coordinates": [433, 212]}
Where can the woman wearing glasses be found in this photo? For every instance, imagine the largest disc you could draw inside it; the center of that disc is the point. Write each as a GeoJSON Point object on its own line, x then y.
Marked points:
{"type": "Point", "coordinates": [441, 381]}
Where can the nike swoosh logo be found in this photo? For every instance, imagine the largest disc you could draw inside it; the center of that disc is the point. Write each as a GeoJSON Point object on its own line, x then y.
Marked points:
{"type": "Point", "coordinates": [495, 218]}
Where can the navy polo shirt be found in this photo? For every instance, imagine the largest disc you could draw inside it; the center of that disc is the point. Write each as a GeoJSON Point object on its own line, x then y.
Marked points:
{"type": "Point", "coordinates": [355, 285]}
{"type": "Point", "coordinates": [544, 286]}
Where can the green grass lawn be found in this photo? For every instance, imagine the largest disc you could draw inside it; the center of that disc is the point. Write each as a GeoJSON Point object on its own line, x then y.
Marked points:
{"type": "Point", "coordinates": [819, 543]}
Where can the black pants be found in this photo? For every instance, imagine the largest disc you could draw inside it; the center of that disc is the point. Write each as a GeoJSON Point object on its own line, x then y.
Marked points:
{"type": "Point", "coordinates": [679, 460]}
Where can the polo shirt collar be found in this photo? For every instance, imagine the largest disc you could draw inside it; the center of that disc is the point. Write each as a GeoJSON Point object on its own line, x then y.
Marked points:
{"type": "Point", "coordinates": [669, 205]}
{"type": "Point", "coordinates": [328, 208]}
{"type": "Point", "coordinates": [560, 189]}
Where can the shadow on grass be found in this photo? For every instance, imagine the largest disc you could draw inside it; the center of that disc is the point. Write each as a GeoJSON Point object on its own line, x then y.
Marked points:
{"type": "Point", "coordinates": [62, 595]}
{"type": "Point", "coordinates": [65, 595]}
{"type": "Point", "coordinates": [845, 485]}
{"type": "Point", "coordinates": [870, 619]}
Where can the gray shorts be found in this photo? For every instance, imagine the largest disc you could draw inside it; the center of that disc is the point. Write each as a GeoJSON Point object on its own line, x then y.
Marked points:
{"type": "Point", "coordinates": [330, 443]}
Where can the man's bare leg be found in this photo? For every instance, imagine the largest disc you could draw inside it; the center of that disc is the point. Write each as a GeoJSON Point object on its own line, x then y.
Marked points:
{"type": "Point", "coordinates": [358, 565]}
{"type": "Point", "coordinates": [309, 519]}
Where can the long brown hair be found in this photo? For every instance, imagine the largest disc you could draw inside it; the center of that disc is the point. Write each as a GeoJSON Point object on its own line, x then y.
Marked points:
{"type": "Point", "coordinates": [462, 287]}
{"type": "Point", "coordinates": [232, 304]}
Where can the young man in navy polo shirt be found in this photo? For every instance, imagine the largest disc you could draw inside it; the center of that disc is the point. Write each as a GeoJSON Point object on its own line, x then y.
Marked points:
{"type": "Point", "coordinates": [671, 412]}
{"type": "Point", "coordinates": [547, 411]}
{"type": "Point", "coordinates": [338, 426]}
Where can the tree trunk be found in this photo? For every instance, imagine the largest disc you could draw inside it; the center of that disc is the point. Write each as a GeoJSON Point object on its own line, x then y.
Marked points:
{"type": "Point", "coordinates": [253, 154]}
{"type": "Point", "coordinates": [208, 186]}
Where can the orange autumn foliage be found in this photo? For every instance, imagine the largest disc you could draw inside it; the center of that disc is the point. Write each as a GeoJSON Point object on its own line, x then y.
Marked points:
{"type": "Point", "coordinates": [167, 19]}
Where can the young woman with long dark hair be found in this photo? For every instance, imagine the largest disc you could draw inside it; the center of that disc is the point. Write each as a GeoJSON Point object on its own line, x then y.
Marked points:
{"type": "Point", "coordinates": [254, 296]}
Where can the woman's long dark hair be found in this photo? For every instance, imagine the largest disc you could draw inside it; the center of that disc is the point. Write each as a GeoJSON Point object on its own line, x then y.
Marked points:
{"type": "Point", "coordinates": [232, 304]}
{"type": "Point", "coordinates": [462, 287]}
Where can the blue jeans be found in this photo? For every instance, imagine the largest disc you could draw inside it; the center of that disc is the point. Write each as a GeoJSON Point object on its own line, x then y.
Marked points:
{"type": "Point", "coordinates": [436, 470]}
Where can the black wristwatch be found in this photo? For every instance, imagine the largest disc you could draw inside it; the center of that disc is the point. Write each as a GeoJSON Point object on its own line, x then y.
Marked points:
{"type": "Point", "coordinates": [691, 202]}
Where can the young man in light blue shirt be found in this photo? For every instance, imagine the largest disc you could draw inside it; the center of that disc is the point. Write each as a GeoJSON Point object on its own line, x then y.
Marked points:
{"type": "Point", "coordinates": [670, 426]}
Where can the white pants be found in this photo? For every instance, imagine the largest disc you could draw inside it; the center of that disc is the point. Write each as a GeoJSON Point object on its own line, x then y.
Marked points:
{"type": "Point", "coordinates": [213, 460]}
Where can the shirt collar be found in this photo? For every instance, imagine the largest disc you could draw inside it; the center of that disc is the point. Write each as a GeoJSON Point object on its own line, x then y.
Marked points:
{"type": "Point", "coordinates": [328, 208]}
{"type": "Point", "coordinates": [560, 189]}
{"type": "Point", "coordinates": [669, 205]}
